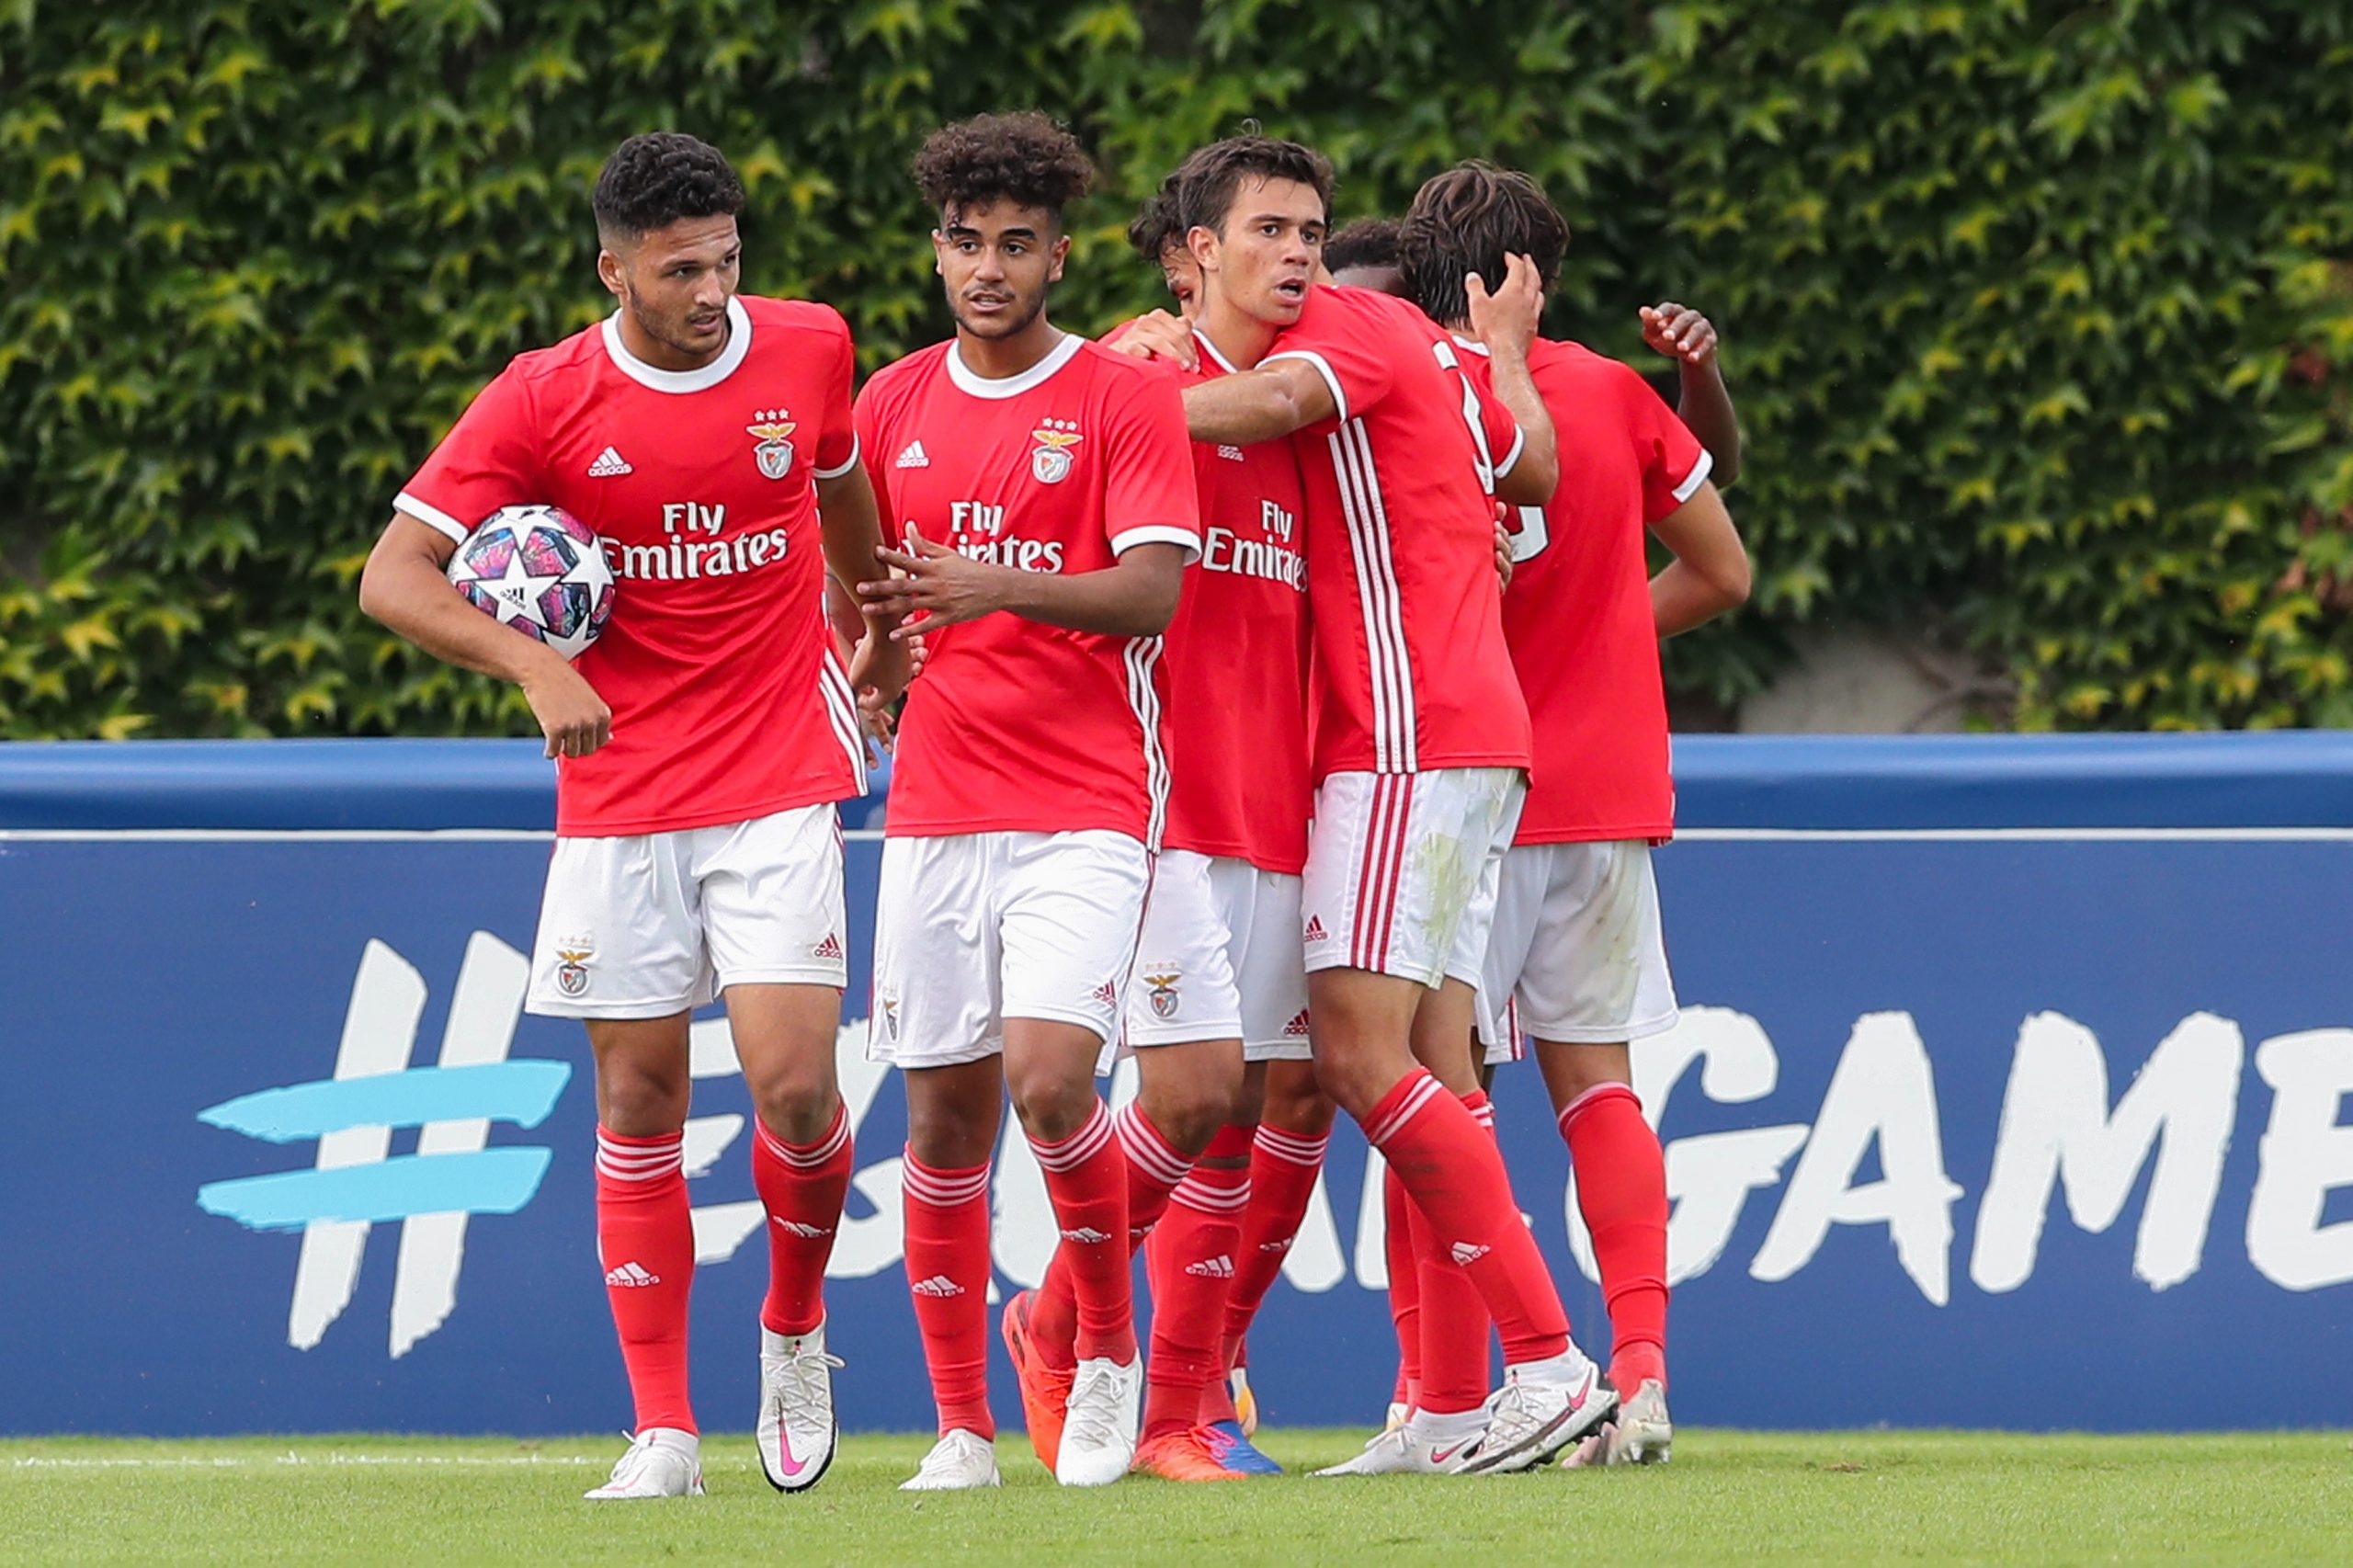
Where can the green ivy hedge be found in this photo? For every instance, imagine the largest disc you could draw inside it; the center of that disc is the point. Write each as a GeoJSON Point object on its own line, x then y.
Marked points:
{"type": "Point", "coordinates": [2039, 317]}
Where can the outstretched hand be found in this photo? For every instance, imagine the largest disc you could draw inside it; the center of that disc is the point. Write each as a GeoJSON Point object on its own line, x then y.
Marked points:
{"type": "Point", "coordinates": [1679, 332]}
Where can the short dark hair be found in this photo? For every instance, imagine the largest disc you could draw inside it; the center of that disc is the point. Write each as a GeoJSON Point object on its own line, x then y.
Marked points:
{"type": "Point", "coordinates": [1023, 158]}
{"type": "Point", "coordinates": [1207, 181]}
{"type": "Point", "coordinates": [1367, 242]}
{"type": "Point", "coordinates": [1154, 227]}
{"type": "Point", "coordinates": [654, 180]}
{"type": "Point", "coordinates": [1468, 220]}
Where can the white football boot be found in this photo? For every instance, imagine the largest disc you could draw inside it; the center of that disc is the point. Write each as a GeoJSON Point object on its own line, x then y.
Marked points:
{"type": "Point", "coordinates": [1399, 1451]}
{"type": "Point", "coordinates": [958, 1462]}
{"type": "Point", "coordinates": [797, 1430]}
{"type": "Point", "coordinates": [1099, 1431]}
{"type": "Point", "coordinates": [661, 1461]}
{"type": "Point", "coordinates": [1640, 1433]}
{"type": "Point", "coordinates": [1542, 1408]}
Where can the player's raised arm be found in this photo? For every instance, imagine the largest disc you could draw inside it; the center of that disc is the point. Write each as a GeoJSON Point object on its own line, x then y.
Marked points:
{"type": "Point", "coordinates": [1504, 322]}
{"type": "Point", "coordinates": [1702, 400]}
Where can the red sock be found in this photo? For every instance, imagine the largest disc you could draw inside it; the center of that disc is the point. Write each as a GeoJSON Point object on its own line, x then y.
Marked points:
{"type": "Point", "coordinates": [1155, 1167]}
{"type": "Point", "coordinates": [802, 1187]}
{"type": "Point", "coordinates": [1455, 1365]}
{"type": "Point", "coordinates": [1087, 1181]}
{"type": "Point", "coordinates": [1283, 1169]}
{"type": "Point", "coordinates": [646, 1239]}
{"type": "Point", "coordinates": [1404, 1288]}
{"type": "Point", "coordinates": [948, 1271]}
{"type": "Point", "coordinates": [1455, 1174]}
{"type": "Point", "coordinates": [1621, 1191]}
{"type": "Point", "coordinates": [1192, 1253]}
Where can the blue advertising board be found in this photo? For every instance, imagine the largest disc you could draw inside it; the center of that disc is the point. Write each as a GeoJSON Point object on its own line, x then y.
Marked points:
{"type": "Point", "coordinates": [2011, 1091]}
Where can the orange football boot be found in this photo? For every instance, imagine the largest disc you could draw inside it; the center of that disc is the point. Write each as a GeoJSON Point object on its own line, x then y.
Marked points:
{"type": "Point", "coordinates": [1181, 1455]}
{"type": "Point", "coordinates": [1045, 1390]}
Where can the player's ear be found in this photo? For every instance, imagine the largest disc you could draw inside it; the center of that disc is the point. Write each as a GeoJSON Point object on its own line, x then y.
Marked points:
{"type": "Point", "coordinates": [608, 272]}
{"type": "Point", "coordinates": [939, 253]}
{"type": "Point", "coordinates": [1060, 253]}
{"type": "Point", "coordinates": [1202, 243]}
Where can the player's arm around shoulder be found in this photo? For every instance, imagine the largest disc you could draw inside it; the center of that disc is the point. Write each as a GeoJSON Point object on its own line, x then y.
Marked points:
{"type": "Point", "coordinates": [1272, 401]}
{"type": "Point", "coordinates": [405, 587]}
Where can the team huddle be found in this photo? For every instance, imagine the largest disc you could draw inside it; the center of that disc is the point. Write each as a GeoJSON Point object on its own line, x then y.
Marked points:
{"type": "Point", "coordinates": [1276, 701]}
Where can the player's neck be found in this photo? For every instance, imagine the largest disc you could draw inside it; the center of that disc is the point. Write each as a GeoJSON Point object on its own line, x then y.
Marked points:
{"type": "Point", "coordinates": [1240, 337]}
{"type": "Point", "coordinates": [995, 359]}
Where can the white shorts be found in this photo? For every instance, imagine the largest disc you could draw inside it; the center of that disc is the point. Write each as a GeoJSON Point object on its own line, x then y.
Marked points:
{"type": "Point", "coordinates": [1576, 952]}
{"type": "Point", "coordinates": [975, 928]}
{"type": "Point", "coordinates": [1219, 959]}
{"type": "Point", "coordinates": [653, 924]}
{"type": "Point", "coordinates": [1402, 866]}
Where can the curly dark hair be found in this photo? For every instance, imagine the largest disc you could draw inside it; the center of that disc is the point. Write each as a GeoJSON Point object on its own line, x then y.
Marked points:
{"type": "Point", "coordinates": [1154, 227]}
{"type": "Point", "coordinates": [1208, 179]}
{"type": "Point", "coordinates": [1468, 220]}
{"type": "Point", "coordinates": [1023, 158]}
{"type": "Point", "coordinates": [653, 180]}
{"type": "Point", "coordinates": [1367, 242]}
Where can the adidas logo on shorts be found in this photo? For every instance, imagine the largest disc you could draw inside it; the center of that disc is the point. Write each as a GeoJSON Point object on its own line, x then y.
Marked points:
{"type": "Point", "coordinates": [630, 1274]}
{"type": "Point", "coordinates": [1468, 1253]}
{"type": "Point", "coordinates": [1296, 1027]}
{"type": "Point", "coordinates": [938, 1285]}
{"type": "Point", "coordinates": [1212, 1268]}
{"type": "Point", "coordinates": [1107, 994]}
{"type": "Point", "coordinates": [830, 947]}
{"type": "Point", "coordinates": [1315, 929]}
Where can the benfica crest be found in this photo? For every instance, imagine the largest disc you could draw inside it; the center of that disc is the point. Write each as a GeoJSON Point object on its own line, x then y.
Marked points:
{"type": "Point", "coordinates": [1050, 463]}
{"type": "Point", "coordinates": [770, 429]}
{"type": "Point", "coordinates": [1163, 994]}
{"type": "Point", "coordinates": [571, 970]}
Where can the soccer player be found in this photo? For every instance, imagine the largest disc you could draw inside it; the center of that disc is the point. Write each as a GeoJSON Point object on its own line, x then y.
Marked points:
{"type": "Point", "coordinates": [701, 743]}
{"type": "Point", "coordinates": [1363, 255]}
{"type": "Point", "coordinates": [1576, 948]}
{"type": "Point", "coordinates": [1218, 980]}
{"type": "Point", "coordinates": [1421, 746]}
{"type": "Point", "coordinates": [1045, 489]}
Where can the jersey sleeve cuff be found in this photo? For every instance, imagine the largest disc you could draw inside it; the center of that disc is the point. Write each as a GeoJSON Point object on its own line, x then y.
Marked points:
{"type": "Point", "coordinates": [843, 467]}
{"type": "Point", "coordinates": [1511, 459]}
{"type": "Point", "coordinates": [1158, 533]}
{"type": "Point", "coordinates": [1324, 369]}
{"type": "Point", "coordinates": [432, 516]}
{"type": "Point", "coordinates": [1696, 478]}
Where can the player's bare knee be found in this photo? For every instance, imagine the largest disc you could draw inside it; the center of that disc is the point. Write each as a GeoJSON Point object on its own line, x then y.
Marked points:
{"type": "Point", "coordinates": [1188, 1113]}
{"type": "Point", "coordinates": [798, 1107]}
{"type": "Point", "coordinates": [1572, 1071]}
{"type": "Point", "coordinates": [948, 1137]}
{"type": "Point", "coordinates": [640, 1100]}
{"type": "Point", "coordinates": [1052, 1105]}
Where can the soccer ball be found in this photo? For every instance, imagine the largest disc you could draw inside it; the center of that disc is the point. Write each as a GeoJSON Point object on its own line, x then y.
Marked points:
{"type": "Point", "coordinates": [539, 570]}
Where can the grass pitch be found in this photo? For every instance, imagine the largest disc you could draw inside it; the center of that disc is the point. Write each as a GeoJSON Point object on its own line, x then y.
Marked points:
{"type": "Point", "coordinates": [1811, 1498]}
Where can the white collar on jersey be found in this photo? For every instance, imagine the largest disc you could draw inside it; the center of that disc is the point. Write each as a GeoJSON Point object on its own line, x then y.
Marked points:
{"type": "Point", "coordinates": [1211, 349]}
{"type": "Point", "coordinates": [739, 343]}
{"type": "Point", "coordinates": [968, 380]}
{"type": "Point", "coordinates": [1473, 344]}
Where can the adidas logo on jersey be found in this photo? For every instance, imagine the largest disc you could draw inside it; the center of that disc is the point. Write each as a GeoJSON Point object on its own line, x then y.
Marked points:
{"type": "Point", "coordinates": [1087, 1236]}
{"type": "Point", "coordinates": [830, 947]}
{"type": "Point", "coordinates": [1314, 929]}
{"type": "Point", "coordinates": [1296, 1027]}
{"type": "Point", "coordinates": [609, 464]}
{"type": "Point", "coordinates": [1467, 1253]}
{"type": "Point", "coordinates": [1231, 454]}
{"type": "Point", "coordinates": [1212, 1268]}
{"type": "Point", "coordinates": [797, 1228]}
{"type": "Point", "coordinates": [913, 456]}
{"type": "Point", "coordinates": [938, 1285]}
{"type": "Point", "coordinates": [630, 1274]}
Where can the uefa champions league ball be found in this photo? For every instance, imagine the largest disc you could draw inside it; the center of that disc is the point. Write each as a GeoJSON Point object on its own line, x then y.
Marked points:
{"type": "Point", "coordinates": [539, 570]}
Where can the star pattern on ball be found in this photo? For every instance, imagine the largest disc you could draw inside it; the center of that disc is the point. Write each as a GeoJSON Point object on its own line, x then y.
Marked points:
{"type": "Point", "coordinates": [517, 590]}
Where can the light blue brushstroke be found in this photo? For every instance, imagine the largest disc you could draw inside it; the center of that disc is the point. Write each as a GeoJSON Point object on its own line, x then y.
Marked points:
{"type": "Point", "coordinates": [493, 1181]}
{"type": "Point", "coordinates": [520, 1092]}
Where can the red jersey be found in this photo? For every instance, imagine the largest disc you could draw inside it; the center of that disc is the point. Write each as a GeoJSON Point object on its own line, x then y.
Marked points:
{"type": "Point", "coordinates": [1015, 726]}
{"type": "Point", "coordinates": [1237, 659]}
{"type": "Point", "coordinates": [729, 700]}
{"type": "Point", "coordinates": [1412, 673]}
{"type": "Point", "coordinates": [1578, 614]}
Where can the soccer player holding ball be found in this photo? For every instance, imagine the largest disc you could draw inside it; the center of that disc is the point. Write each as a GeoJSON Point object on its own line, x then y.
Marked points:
{"type": "Point", "coordinates": [1041, 488]}
{"type": "Point", "coordinates": [1576, 952]}
{"type": "Point", "coordinates": [701, 742]}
